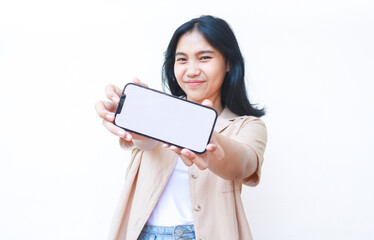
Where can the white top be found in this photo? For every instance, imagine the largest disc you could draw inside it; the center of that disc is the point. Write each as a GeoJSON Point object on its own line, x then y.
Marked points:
{"type": "Point", "coordinates": [174, 206]}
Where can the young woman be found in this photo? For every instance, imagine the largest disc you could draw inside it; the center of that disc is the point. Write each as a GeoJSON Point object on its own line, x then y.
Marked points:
{"type": "Point", "coordinates": [174, 193]}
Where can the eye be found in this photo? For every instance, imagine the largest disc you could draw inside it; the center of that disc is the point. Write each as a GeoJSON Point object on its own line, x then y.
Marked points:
{"type": "Point", "coordinates": [204, 58]}
{"type": "Point", "coordinates": [181, 59]}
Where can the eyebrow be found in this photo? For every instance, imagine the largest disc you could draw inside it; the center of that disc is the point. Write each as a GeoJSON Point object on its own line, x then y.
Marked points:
{"type": "Point", "coordinates": [201, 52]}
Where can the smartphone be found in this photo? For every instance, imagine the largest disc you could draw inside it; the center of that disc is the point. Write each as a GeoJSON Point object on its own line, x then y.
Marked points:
{"type": "Point", "coordinates": [164, 117]}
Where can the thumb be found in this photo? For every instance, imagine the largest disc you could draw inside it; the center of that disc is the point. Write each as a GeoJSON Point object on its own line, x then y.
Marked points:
{"type": "Point", "coordinates": [207, 103]}
{"type": "Point", "coordinates": [137, 81]}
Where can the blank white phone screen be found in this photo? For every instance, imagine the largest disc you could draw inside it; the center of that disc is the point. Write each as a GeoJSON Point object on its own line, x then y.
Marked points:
{"type": "Point", "coordinates": [166, 118]}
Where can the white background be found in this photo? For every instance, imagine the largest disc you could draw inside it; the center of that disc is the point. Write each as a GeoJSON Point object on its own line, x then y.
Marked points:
{"type": "Point", "coordinates": [309, 62]}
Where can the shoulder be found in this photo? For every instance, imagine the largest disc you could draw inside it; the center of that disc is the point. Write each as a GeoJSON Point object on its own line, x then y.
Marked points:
{"type": "Point", "coordinates": [228, 119]}
{"type": "Point", "coordinates": [248, 130]}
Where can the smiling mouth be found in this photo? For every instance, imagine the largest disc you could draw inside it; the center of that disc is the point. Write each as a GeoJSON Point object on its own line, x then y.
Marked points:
{"type": "Point", "coordinates": [194, 83]}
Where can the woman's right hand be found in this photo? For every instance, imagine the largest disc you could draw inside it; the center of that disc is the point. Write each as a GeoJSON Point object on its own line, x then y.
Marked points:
{"type": "Point", "coordinates": [106, 110]}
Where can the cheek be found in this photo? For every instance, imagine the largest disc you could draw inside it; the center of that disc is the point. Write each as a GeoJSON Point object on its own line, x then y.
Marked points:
{"type": "Point", "coordinates": [178, 75]}
{"type": "Point", "coordinates": [216, 74]}
{"type": "Point", "coordinates": [177, 72]}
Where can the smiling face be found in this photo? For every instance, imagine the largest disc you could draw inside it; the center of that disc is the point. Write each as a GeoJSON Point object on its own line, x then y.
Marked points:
{"type": "Point", "coordinates": [200, 69]}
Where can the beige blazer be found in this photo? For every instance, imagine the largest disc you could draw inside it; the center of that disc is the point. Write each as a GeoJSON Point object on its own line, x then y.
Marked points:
{"type": "Point", "coordinates": [217, 206]}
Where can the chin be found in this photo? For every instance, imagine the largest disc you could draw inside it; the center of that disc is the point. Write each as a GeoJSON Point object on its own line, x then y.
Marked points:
{"type": "Point", "coordinates": [195, 99]}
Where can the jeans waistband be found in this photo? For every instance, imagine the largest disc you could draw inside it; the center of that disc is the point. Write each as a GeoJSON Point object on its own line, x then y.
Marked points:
{"type": "Point", "coordinates": [166, 233]}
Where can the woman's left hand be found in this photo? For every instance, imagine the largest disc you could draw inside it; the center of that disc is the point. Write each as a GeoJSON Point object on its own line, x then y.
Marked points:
{"type": "Point", "coordinates": [213, 150]}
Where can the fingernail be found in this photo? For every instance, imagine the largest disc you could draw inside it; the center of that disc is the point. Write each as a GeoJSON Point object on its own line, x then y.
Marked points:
{"type": "Point", "coordinates": [115, 99]}
{"type": "Point", "coordinates": [121, 133]}
{"type": "Point", "coordinates": [128, 137]}
{"type": "Point", "coordinates": [110, 116]}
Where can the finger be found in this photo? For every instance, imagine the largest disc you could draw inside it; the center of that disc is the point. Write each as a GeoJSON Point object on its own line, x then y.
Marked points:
{"type": "Point", "coordinates": [211, 147]}
{"type": "Point", "coordinates": [117, 131]}
{"type": "Point", "coordinates": [175, 149]}
{"type": "Point", "coordinates": [113, 93]}
{"type": "Point", "coordinates": [187, 153]}
{"type": "Point", "coordinates": [137, 81]}
{"type": "Point", "coordinates": [215, 150]}
{"type": "Point", "coordinates": [105, 110]}
{"type": "Point", "coordinates": [165, 145]}
{"type": "Point", "coordinates": [207, 103]}
{"type": "Point", "coordinates": [137, 136]}
{"type": "Point", "coordinates": [186, 161]}
{"type": "Point", "coordinates": [198, 160]}
{"type": "Point", "coordinates": [110, 106]}
{"type": "Point", "coordinates": [201, 164]}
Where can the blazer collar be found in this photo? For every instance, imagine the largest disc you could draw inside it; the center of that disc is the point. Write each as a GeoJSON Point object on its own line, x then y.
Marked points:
{"type": "Point", "coordinates": [224, 119]}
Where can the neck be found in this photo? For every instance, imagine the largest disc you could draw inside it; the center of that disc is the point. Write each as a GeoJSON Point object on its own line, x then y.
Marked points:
{"type": "Point", "coordinates": [217, 104]}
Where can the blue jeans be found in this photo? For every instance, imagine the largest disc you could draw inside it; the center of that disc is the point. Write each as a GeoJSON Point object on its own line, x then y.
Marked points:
{"type": "Point", "coordinates": [182, 232]}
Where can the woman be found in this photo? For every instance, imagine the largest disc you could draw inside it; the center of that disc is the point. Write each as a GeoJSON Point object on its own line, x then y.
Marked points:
{"type": "Point", "coordinates": [174, 193]}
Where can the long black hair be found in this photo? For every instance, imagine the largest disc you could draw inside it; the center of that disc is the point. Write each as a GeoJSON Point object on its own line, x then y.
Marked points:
{"type": "Point", "coordinates": [219, 34]}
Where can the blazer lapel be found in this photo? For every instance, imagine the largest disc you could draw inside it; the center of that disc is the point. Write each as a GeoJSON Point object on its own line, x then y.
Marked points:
{"type": "Point", "coordinates": [224, 120]}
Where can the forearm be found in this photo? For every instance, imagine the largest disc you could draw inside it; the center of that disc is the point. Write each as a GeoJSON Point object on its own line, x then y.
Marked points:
{"type": "Point", "coordinates": [237, 162]}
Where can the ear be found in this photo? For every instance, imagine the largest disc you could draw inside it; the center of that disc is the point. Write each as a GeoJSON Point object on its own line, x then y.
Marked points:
{"type": "Point", "coordinates": [228, 66]}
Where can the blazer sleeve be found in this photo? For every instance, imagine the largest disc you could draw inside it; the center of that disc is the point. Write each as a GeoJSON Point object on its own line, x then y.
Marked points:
{"type": "Point", "coordinates": [253, 133]}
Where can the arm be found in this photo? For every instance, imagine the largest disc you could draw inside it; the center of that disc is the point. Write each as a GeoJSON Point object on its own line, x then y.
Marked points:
{"type": "Point", "coordinates": [236, 160]}
{"type": "Point", "coordinates": [239, 156]}
{"type": "Point", "coordinates": [225, 157]}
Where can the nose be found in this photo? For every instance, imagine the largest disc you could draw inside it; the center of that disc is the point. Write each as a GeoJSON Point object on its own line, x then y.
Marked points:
{"type": "Point", "coordinates": [193, 69]}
